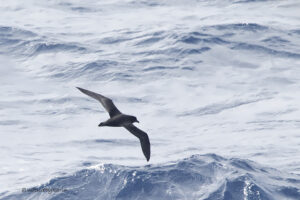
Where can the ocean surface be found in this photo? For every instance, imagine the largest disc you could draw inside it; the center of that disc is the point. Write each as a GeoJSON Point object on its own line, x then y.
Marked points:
{"type": "Point", "coordinates": [214, 83]}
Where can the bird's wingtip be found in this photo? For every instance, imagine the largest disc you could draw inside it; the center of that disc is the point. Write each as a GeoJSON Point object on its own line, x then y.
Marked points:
{"type": "Point", "coordinates": [81, 89]}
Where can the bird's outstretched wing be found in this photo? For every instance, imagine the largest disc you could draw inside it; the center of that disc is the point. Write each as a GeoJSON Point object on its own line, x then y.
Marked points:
{"type": "Point", "coordinates": [144, 139]}
{"type": "Point", "coordinates": [106, 102]}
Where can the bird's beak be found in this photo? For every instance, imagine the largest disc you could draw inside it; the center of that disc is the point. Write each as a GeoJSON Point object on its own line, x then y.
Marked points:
{"type": "Point", "coordinates": [137, 121]}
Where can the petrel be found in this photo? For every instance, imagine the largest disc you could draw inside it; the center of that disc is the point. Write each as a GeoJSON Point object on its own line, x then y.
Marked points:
{"type": "Point", "coordinates": [118, 119]}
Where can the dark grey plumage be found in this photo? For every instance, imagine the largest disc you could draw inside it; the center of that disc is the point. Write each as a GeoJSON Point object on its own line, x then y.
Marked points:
{"type": "Point", "coordinates": [118, 119]}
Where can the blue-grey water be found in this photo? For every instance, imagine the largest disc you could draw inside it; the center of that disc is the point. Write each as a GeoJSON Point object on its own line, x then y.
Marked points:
{"type": "Point", "coordinates": [215, 84]}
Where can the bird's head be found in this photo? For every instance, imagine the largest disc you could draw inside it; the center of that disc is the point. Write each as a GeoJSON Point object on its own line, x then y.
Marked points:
{"type": "Point", "coordinates": [134, 119]}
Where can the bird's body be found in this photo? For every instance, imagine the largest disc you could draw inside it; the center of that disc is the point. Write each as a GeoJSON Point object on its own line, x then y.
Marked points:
{"type": "Point", "coordinates": [118, 119]}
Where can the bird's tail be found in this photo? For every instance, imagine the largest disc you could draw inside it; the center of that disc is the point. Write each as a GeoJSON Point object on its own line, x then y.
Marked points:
{"type": "Point", "coordinates": [101, 124]}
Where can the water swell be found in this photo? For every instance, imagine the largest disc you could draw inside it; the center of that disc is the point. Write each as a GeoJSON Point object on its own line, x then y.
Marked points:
{"type": "Point", "coordinates": [26, 43]}
{"type": "Point", "coordinates": [7, 31]}
{"type": "Point", "coordinates": [197, 177]}
{"type": "Point", "coordinates": [54, 47]}
{"type": "Point", "coordinates": [149, 49]}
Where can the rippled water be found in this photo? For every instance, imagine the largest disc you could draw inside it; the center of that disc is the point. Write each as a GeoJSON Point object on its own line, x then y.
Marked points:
{"type": "Point", "coordinates": [215, 84]}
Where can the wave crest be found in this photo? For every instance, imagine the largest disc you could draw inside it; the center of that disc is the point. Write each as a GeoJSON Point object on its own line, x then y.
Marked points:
{"type": "Point", "coordinates": [197, 177]}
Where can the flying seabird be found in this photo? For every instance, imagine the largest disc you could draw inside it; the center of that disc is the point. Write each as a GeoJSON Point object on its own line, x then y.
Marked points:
{"type": "Point", "coordinates": [118, 119]}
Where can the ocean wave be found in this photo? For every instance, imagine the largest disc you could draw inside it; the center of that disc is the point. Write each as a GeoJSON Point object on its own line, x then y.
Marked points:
{"type": "Point", "coordinates": [54, 47]}
{"type": "Point", "coordinates": [220, 107]}
{"type": "Point", "coordinates": [263, 49]}
{"type": "Point", "coordinates": [206, 177]}
{"type": "Point", "coordinates": [22, 42]}
{"type": "Point", "coordinates": [8, 31]}
{"type": "Point", "coordinates": [252, 27]}
{"type": "Point", "coordinates": [149, 49]}
{"type": "Point", "coordinates": [250, 1]}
